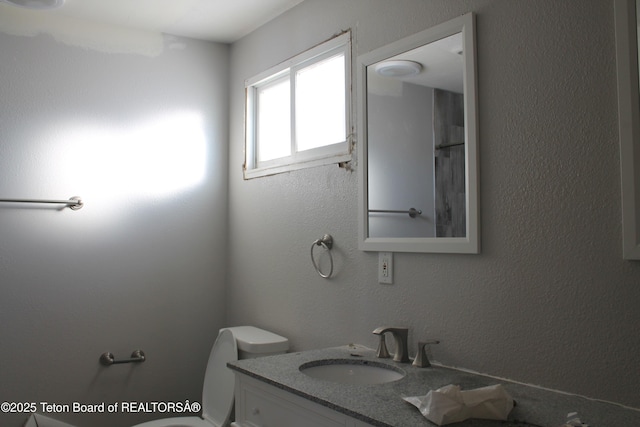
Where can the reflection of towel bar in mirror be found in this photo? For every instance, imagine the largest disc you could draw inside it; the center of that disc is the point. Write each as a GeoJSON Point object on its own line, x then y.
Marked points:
{"type": "Point", "coordinates": [74, 203]}
{"type": "Point", "coordinates": [413, 212]}
{"type": "Point", "coordinates": [454, 144]}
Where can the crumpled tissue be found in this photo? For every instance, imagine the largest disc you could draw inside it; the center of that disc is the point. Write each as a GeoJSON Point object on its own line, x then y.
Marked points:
{"type": "Point", "coordinates": [450, 404]}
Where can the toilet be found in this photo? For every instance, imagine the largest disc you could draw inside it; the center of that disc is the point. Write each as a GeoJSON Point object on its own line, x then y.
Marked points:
{"type": "Point", "coordinates": [239, 342]}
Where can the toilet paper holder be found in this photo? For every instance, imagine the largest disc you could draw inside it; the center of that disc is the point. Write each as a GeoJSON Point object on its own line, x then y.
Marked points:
{"type": "Point", "coordinates": [108, 359]}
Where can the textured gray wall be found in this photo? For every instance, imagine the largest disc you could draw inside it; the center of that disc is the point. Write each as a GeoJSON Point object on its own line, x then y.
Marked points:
{"type": "Point", "coordinates": [142, 264]}
{"type": "Point", "coordinates": [549, 300]}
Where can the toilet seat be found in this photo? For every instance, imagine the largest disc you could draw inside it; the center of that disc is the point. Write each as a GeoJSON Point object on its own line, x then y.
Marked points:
{"type": "Point", "coordinates": [217, 392]}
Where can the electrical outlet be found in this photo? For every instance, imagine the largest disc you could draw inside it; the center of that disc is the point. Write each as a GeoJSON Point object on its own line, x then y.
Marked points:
{"type": "Point", "coordinates": [385, 268]}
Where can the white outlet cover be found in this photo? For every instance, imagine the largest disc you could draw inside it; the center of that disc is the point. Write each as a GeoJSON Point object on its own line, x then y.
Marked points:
{"type": "Point", "coordinates": [385, 268]}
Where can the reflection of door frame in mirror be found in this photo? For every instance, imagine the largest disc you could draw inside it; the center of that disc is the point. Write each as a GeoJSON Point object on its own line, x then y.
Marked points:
{"type": "Point", "coordinates": [471, 243]}
{"type": "Point", "coordinates": [629, 124]}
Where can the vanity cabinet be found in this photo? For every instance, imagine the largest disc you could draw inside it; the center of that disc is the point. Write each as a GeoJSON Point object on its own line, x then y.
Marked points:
{"type": "Point", "coordinates": [273, 392]}
{"type": "Point", "coordinates": [261, 405]}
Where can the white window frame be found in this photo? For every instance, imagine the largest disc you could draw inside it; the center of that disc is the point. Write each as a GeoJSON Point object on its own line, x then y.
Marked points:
{"type": "Point", "coordinates": [329, 154]}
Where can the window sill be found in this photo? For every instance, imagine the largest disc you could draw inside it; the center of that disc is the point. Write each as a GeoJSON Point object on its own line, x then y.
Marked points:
{"type": "Point", "coordinates": [273, 170]}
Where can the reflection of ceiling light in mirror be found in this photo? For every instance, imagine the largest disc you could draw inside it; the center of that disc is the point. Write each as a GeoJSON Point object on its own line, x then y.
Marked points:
{"type": "Point", "coordinates": [35, 4]}
{"type": "Point", "coordinates": [398, 68]}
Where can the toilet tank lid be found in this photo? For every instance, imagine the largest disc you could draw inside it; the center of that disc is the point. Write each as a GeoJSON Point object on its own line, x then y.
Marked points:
{"type": "Point", "coordinates": [256, 340]}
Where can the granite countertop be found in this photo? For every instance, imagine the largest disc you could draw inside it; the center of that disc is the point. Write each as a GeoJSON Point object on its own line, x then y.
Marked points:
{"type": "Point", "coordinates": [382, 404]}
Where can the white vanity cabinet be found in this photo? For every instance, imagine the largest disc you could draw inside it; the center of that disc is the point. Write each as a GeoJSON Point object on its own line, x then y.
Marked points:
{"type": "Point", "coordinates": [259, 404]}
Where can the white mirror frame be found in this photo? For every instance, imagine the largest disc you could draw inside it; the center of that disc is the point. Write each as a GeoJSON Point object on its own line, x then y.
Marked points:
{"type": "Point", "coordinates": [470, 243]}
{"type": "Point", "coordinates": [629, 125]}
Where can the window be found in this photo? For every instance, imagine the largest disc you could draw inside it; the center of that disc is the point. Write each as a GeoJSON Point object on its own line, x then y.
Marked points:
{"type": "Point", "coordinates": [298, 113]}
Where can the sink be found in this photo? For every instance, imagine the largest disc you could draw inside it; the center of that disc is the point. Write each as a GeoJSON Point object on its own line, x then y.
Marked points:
{"type": "Point", "coordinates": [352, 371]}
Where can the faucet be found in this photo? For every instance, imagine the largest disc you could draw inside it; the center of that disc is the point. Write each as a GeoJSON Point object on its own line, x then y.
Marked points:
{"type": "Point", "coordinates": [400, 335]}
{"type": "Point", "coordinates": [421, 360]}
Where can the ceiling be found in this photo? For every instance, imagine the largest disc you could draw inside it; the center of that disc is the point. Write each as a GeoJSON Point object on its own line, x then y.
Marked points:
{"type": "Point", "coordinates": [442, 65]}
{"type": "Point", "coordinates": [222, 21]}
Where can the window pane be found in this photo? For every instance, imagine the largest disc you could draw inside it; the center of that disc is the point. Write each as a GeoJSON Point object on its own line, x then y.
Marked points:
{"type": "Point", "coordinates": [273, 131]}
{"type": "Point", "coordinates": [320, 104]}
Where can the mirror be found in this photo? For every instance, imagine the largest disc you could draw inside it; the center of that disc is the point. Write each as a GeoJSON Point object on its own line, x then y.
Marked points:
{"type": "Point", "coordinates": [418, 143]}
{"type": "Point", "coordinates": [629, 123]}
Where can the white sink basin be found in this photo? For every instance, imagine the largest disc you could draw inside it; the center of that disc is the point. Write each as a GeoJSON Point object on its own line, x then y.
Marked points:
{"type": "Point", "coordinates": [352, 371]}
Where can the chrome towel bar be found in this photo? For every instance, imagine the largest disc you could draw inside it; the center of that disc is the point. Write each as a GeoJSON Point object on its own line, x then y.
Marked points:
{"type": "Point", "coordinates": [413, 212]}
{"type": "Point", "coordinates": [455, 144]}
{"type": "Point", "coordinates": [74, 203]}
{"type": "Point", "coordinates": [109, 359]}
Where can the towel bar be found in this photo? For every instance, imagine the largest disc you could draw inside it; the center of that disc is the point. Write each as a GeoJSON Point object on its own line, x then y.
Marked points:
{"type": "Point", "coordinates": [109, 359]}
{"type": "Point", "coordinates": [74, 203]}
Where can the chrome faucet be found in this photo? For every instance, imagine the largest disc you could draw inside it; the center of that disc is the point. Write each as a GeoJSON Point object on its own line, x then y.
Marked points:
{"type": "Point", "coordinates": [422, 360]}
{"type": "Point", "coordinates": [400, 335]}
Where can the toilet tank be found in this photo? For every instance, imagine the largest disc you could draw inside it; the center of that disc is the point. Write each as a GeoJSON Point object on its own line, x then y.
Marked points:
{"type": "Point", "coordinates": [255, 342]}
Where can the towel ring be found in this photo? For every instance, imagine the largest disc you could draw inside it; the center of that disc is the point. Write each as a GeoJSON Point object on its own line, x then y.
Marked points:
{"type": "Point", "coordinates": [326, 242]}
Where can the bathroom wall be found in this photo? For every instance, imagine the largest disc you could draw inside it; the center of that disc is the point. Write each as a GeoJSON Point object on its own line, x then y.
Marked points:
{"type": "Point", "coordinates": [401, 161]}
{"type": "Point", "coordinates": [142, 138]}
{"type": "Point", "coordinates": [549, 301]}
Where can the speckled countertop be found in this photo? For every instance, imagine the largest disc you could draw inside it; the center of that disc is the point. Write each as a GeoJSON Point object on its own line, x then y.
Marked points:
{"type": "Point", "coordinates": [382, 404]}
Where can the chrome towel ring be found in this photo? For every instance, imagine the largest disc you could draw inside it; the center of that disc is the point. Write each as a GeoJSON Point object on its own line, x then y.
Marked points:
{"type": "Point", "coordinates": [326, 242]}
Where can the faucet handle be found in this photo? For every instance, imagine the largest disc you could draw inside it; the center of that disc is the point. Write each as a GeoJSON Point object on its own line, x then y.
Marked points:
{"type": "Point", "coordinates": [421, 360]}
{"type": "Point", "coordinates": [382, 351]}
